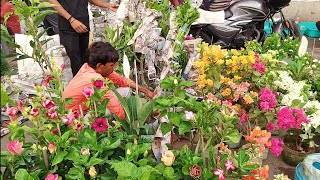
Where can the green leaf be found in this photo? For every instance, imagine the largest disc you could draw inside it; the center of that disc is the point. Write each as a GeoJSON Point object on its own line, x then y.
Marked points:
{"type": "Point", "coordinates": [76, 172]}
{"type": "Point", "coordinates": [186, 83]}
{"type": "Point", "coordinates": [4, 95]}
{"type": "Point", "coordinates": [59, 157]}
{"type": "Point", "coordinates": [217, 84]}
{"type": "Point", "coordinates": [184, 126]}
{"type": "Point", "coordinates": [207, 174]}
{"type": "Point", "coordinates": [142, 162]}
{"type": "Point", "coordinates": [181, 93]}
{"type": "Point", "coordinates": [232, 136]}
{"type": "Point", "coordinates": [165, 128]}
{"type": "Point", "coordinates": [160, 167]}
{"type": "Point", "coordinates": [168, 172]}
{"type": "Point", "coordinates": [125, 169]}
{"type": "Point", "coordinates": [185, 169]}
{"type": "Point", "coordinates": [23, 174]}
{"type": "Point", "coordinates": [174, 118]}
{"type": "Point", "coordinates": [109, 143]}
{"type": "Point", "coordinates": [243, 158]}
{"type": "Point", "coordinates": [123, 104]}
{"type": "Point", "coordinates": [144, 112]}
{"type": "Point", "coordinates": [250, 167]}
{"type": "Point", "coordinates": [68, 100]}
{"type": "Point", "coordinates": [256, 73]}
{"type": "Point", "coordinates": [94, 161]}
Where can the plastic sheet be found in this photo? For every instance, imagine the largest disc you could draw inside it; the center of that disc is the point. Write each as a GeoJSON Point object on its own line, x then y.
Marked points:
{"type": "Point", "coordinates": [311, 166]}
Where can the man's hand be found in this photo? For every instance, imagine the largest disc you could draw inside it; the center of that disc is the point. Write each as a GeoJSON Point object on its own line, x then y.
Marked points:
{"type": "Point", "coordinates": [113, 7]}
{"type": "Point", "coordinates": [149, 94]}
{"type": "Point", "coordinates": [78, 26]}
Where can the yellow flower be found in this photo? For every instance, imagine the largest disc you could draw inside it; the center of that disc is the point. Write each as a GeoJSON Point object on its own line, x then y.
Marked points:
{"type": "Point", "coordinates": [209, 82]}
{"type": "Point", "coordinates": [168, 158]}
{"type": "Point", "coordinates": [220, 62]}
{"type": "Point", "coordinates": [234, 52]}
{"type": "Point", "coordinates": [202, 84]}
{"type": "Point", "coordinates": [226, 92]}
{"type": "Point", "coordinates": [236, 107]}
{"type": "Point", "coordinates": [92, 171]}
{"type": "Point", "coordinates": [236, 77]}
{"type": "Point", "coordinates": [248, 99]}
{"type": "Point", "coordinates": [251, 53]}
{"type": "Point", "coordinates": [202, 77]}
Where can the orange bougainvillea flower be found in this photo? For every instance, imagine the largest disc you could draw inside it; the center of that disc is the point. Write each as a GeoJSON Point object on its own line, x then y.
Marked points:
{"type": "Point", "coordinates": [264, 172]}
{"type": "Point", "coordinates": [248, 178]}
{"type": "Point", "coordinates": [259, 136]}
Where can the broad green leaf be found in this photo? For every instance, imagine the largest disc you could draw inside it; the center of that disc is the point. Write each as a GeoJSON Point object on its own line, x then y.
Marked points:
{"type": "Point", "coordinates": [232, 136]}
{"type": "Point", "coordinates": [94, 161]}
{"type": "Point", "coordinates": [68, 100]}
{"type": "Point", "coordinates": [184, 126]}
{"type": "Point", "coordinates": [144, 112]}
{"type": "Point", "coordinates": [165, 128]}
{"type": "Point", "coordinates": [185, 169]}
{"type": "Point", "coordinates": [217, 84]}
{"type": "Point", "coordinates": [207, 174]}
{"type": "Point", "coordinates": [4, 95]}
{"type": "Point", "coordinates": [58, 157]}
{"type": "Point", "coordinates": [76, 172]}
{"type": "Point", "coordinates": [168, 172]}
{"type": "Point", "coordinates": [174, 118]}
{"type": "Point", "coordinates": [123, 104]}
{"type": "Point", "coordinates": [243, 158]}
{"type": "Point", "coordinates": [125, 169]}
{"type": "Point", "coordinates": [23, 174]}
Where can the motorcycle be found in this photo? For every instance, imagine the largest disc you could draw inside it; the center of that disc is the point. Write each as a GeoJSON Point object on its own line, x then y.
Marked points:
{"type": "Point", "coordinates": [244, 21]}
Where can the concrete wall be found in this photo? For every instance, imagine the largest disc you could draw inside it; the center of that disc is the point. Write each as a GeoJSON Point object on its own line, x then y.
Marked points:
{"type": "Point", "coordinates": [303, 10]}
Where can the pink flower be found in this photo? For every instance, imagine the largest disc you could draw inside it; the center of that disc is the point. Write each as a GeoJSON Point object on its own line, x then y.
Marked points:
{"type": "Point", "coordinates": [276, 146]}
{"type": "Point", "coordinates": [20, 105]}
{"type": "Point", "coordinates": [229, 165]}
{"type": "Point", "coordinates": [76, 114]}
{"type": "Point", "coordinates": [300, 116]}
{"type": "Point", "coordinates": [267, 99]}
{"type": "Point", "coordinates": [55, 131]}
{"type": "Point", "coordinates": [85, 151]}
{"type": "Point", "coordinates": [62, 67]}
{"type": "Point", "coordinates": [78, 126]}
{"type": "Point", "coordinates": [52, 147]}
{"type": "Point", "coordinates": [34, 112]}
{"type": "Point", "coordinates": [47, 80]}
{"type": "Point", "coordinates": [243, 116]}
{"type": "Point", "coordinates": [48, 104]}
{"type": "Point", "coordinates": [218, 160]}
{"type": "Point", "coordinates": [88, 92]}
{"type": "Point", "coordinates": [189, 115]}
{"type": "Point", "coordinates": [98, 84]}
{"type": "Point", "coordinates": [100, 124]}
{"type": "Point", "coordinates": [53, 114]}
{"type": "Point", "coordinates": [15, 147]}
{"type": "Point", "coordinates": [220, 173]}
{"type": "Point", "coordinates": [52, 177]}
{"type": "Point", "coordinates": [12, 113]}
{"type": "Point", "coordinates": [291, 118]}
{"type": "Point", "coordinates": [271, 127]}
{"type": "Point", "coordinates": [188, 37]}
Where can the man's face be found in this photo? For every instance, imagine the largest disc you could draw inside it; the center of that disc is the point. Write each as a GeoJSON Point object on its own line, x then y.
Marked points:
{"type": "Point", "coordinates": [107, 69]}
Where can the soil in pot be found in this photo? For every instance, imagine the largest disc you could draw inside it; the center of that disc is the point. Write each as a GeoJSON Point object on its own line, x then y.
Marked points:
{"type": "Point", "coordinates": [293, 157]}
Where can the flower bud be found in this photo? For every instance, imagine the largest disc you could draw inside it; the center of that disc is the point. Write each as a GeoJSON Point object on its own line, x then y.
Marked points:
{"type": "Point", "coordinates": [128, 152]}
{"type": "Point", "coordinates": [92, 171]}
{"type": "Point", "coordinates": [85, 151]}
{"type": "Point", "coordinates": [52, 147]}
{"type": "Point", "coordinates": [175, 81]}
{"type": "Point", "coordinates": [168, 158]}
{"type": "Point", "coordinates": [145, 154]}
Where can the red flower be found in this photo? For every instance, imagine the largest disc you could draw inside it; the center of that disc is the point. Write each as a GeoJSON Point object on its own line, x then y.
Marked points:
{"type": "Point", "coordinates": [47, 80]}
{"type": "Point", "coordinates": [34, 112]}
{"type": "Point", "coordinates": [98, 84]}
{"type": "Point", "coordinates": [100, 124]}
{"type": "Point", "coordinates": [55, 131]}
{"type": "Point", "coordinates": [78, 126]}
{"type": "Point", "coordinates": [53, 114]}
{"type": "Point", "coordinates": [48, 104]}
{"type": "Point", "coordinates": [195, 171]}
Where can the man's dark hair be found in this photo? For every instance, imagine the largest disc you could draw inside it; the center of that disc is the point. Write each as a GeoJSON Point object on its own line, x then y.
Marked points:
{"type": "Point", "coordinates": [101, 52]}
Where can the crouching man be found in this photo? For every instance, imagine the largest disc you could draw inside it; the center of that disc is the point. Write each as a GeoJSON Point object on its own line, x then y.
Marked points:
{"type": "Point", "coordinates": [102, 59]}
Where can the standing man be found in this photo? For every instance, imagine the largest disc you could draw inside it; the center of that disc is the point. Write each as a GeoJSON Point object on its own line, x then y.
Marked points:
{"type": "Point", "coordinates": [73, 24]}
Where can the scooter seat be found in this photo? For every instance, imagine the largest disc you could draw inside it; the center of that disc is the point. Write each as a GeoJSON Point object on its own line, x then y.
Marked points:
{"type": "Point", "coordinates": [227, 14]}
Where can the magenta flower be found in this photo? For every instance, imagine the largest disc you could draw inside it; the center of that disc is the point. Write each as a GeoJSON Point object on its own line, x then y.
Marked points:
{"type": "Point", "coordinates": [188, 37]}
{"type": "Point", "coordinates": [267, 99]}
{"type": "Point", "coordinates": [66, 120]}
{"type": "Point", "coordinates": [47, 80]}
{"type": "Point", "coordinates": [285, 119]}
{"type": "Point", "coordinates": [88, 92]}
{"type": "Point", "coordinates": [276, 146]}
{"type": "Point", "coordinates": [52, 177]}
{"type": "Point", "coordinates": [300, 116]}
{"type": "Point", "coordinates": [100, 124]}
{"type": "Point", "coordinates": [76, 114]}
{"type": "Point", "coordinates": [259, 67]}
{"type": "Point", "coordinates": [48, 104]}
{"type": "Point", "coordinates": [243, 116]}
{"type": "Point", "coordinates": [53, 114]}
{"type": "Point", "coordinates": [229, 165]}
{"type": "Point", "coordinates": [15, 147]}
{"type": "Point", "coordinates": [34, 112]}
{"type": "Point", "coordinates": [271, 127]}
{"type": "Point", "coordinates": [98, 84]}
{"type": "Point", "coordinates": [189, 115]}
{"type": "Point", "coordinates": [12, 113]}
{"type": "Point", "coordinates": [220, 173]}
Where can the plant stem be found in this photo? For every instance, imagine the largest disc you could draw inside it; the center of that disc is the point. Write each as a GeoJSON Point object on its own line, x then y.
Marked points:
{"type": "Point", "coordinates": [203, 150]}
{"type": "Point", "coordinates": [58, 127]}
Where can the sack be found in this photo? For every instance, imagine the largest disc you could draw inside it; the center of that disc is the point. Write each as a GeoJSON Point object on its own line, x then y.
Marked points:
{"type": "Point", "coordinates": [311, 166]}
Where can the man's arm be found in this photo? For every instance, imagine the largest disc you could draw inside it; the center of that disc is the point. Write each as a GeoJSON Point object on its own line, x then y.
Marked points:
{"type": "Point", "coordinates": [101, 3]}
{"type": "Point", "coordinates": [76, 25]}
{"type": "Point", "coordinates": [145, 90]}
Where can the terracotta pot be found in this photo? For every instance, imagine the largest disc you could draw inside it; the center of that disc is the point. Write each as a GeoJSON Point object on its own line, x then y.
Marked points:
{"type": "Point", "coordinates": [293, 157]}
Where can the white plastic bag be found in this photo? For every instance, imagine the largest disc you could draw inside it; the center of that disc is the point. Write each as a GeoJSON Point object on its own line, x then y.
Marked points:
{"type": "Point", "coordinates": [311, 166]}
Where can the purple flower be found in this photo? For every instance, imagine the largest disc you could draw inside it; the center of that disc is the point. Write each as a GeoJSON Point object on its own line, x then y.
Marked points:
{"type": "Point", "coordinates": [100, 124]}
{"type": "Point", "coordinates": [88, 92]}
{"type": "Point", "coordinates": [98, 84]}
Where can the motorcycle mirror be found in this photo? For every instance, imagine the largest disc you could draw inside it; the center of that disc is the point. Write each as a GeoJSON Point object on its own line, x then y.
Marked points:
{"type": "Point", "coordinates": [303, 46]}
